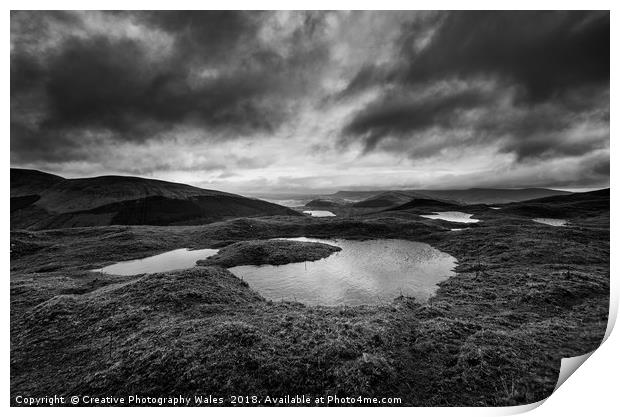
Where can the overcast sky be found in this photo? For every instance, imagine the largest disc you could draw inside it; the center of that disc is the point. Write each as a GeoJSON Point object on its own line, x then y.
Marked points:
{"type": "Point", "coordinates": [314, 101]}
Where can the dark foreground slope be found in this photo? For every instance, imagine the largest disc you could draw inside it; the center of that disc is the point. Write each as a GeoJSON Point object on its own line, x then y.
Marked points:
{"type": "Point", "coordinates": [44, 201]}
{"type": "Point", "coordinates": [525, 295]}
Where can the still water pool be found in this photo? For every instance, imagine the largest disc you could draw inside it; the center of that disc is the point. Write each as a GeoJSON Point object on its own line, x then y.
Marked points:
{"type": "Point", "coordinates": [551, 222]}
{"type": "Point", "coordinates": [167, 261]}
{"type": "Point", "coordinates": [451, 216]}
{"type": "Point", "coordinates": [364, 272]}
{"type": "Point", "coordinates": [319, 213]}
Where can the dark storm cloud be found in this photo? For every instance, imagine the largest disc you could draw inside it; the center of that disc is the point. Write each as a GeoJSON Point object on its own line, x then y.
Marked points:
{"type": "Point", "coordinates": [473, 117]}
{"type": "Point", "coordinates": [244, 98]}
{"type": "Point", "coordinates": [545, 53]}
{"type": "Point", "coordinates": [26, 73]}
{"type": "Point", "coordinates": [100, 83]}
{"type": "Point", "coordinates": [211, 32]}
{"type": "Point", "coordinates": [553, 66]}
{"type": "Point", "coordinates": [544, 131]}
{"type": "Point", "coordinates": [395, 115]}
{"type": "Point", "coordinates": [214, 76]}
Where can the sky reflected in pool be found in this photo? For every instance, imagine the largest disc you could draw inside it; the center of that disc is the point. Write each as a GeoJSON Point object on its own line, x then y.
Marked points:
{"type": "Point", "coordinates": [364, 272]}
{"type": "Point", "coordinates": [451, 216]}
{"type": "Point", "coordinates": [319, 213]}
{"type": "Point", "coordinates": [167, 261]}
{"type": "Point", "coordinates": [551, 222]}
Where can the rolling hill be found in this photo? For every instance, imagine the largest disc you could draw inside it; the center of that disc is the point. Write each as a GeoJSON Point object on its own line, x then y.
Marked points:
{"type": "Point", "coordinates": [388, 199]}
{"type": "Point", "coordinates": [493, 195]}
{"type": "Point", "coordinates": [45, 201]}
{"type": "Point", "coordinates": [28, 182]}
{"type": "Point", "coordinates": [322, 203]}
{"type": "Point", "coordinates": [469, 196]}
{"type": "Point", "coordinates": [563, 206]}
{"type": "Point", "coordinates": [426, 204]}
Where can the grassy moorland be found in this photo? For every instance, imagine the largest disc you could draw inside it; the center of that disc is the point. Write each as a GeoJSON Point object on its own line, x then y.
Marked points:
{"type": "Point", "coordinates": [524, 296]}
{"type": "Point", "coordinates": [268, 252]}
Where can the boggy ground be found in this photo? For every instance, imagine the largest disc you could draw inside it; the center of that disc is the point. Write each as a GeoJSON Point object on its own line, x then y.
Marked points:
{"type": "Point", "coordinates": [524, 296]}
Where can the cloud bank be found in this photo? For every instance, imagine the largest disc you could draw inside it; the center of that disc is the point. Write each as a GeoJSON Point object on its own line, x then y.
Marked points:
{"type": "Point", "coordinates": [298, 101]}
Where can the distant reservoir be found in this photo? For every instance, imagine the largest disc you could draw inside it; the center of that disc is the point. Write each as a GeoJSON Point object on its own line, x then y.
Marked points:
{"type": "Point", "coordinates": [319, 213]}
{"type": "Point", "coordinates": [551, 222]}
{"type": "Point", "coordinates": [451, 216]}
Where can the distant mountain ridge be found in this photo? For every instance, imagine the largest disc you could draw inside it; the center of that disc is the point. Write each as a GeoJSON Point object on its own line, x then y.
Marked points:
{"type": "Point", "coordinates": [42, 201]}
{"type": "Point", "coordinates": [468, 196]}
{"type": "Point", "coordinates": [389, 199]}
{"type": "Point", "coordinates": [425, 203]}
{"type": "Point", "coordinates": [572, 205]}
{"type": "Point", "coordinates": [321, 203]}
{"type": "Point", "coordinates": [88, 193]}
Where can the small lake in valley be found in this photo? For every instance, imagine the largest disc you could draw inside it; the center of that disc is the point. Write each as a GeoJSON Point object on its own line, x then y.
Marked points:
{"type": "Point", "coordinates": [319, 213]}
{"type": "Point", "coordinates": [451, 216]}
{"type": "Point", "coordinates": [551, 222]}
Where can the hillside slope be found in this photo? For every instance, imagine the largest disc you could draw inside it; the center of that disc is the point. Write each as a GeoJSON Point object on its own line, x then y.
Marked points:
{"type": "Point", "coordinates": [564, 206]}
{"type": "Point", "coordinates": [45, 201]}
{"type": "Point", "coordinates": [468, 196]}
{"type": "Point", "coordinates": [323, 202]}
{"type": "Point", "coordinates": [28, 182]}
{"type": "Point", "coordinates": [389, 199]}
{"type": "Point", "coordinates": [88, 193]}
{"type": "Point", "coordinates": [493, 195]}
{"type": "Point", "coordinates": [426, 204]}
